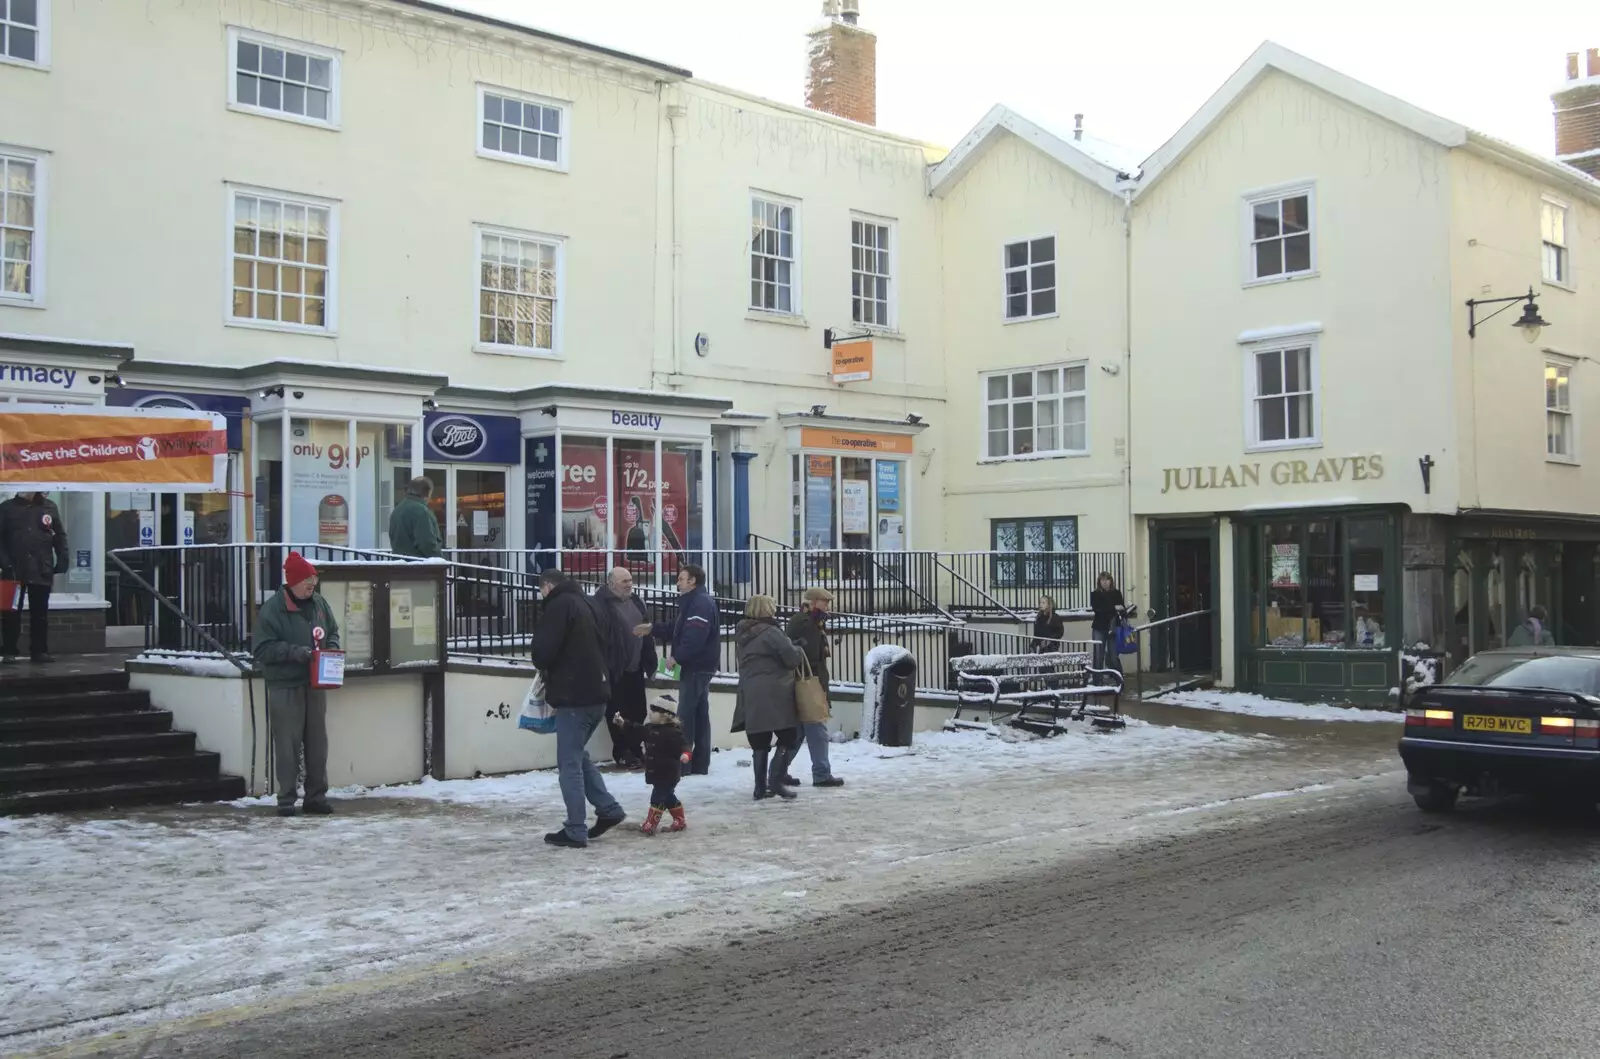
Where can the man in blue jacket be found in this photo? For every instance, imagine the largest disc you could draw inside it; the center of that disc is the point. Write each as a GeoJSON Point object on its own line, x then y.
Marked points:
{"type": "Point", "coordinates": [695, 640]}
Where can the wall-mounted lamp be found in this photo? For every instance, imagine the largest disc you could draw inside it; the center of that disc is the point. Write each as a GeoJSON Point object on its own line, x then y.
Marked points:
{"type": "Point", "coordinates": [1530, 322]}
{"type": "Point", "coordinates": [431, 405]}
{"type": "Point", "coordinates": [819, 410]}
{"type": "Point", "coordinates": [298, 394]}
{"type": "Point", "coordinates": [272, 391]}
{"type": "Point", "coordinates": [549, 410]}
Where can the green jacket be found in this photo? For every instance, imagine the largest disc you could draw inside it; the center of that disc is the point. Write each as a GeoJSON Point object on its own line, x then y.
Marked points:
{"type": "Point", "coordinates": [283, 625]}
{"type": "Point", "coordinates": [413, 530]}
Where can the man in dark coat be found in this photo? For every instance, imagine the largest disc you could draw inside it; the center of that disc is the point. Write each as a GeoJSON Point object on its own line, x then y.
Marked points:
{"type": "Point", "coordinates": [413, 530]}
{"type": "Point", "coordinates": [628, 690]}
{"type": "Point", "coordinates": [567, 649]}
{"type": "Point", "coordinates": [33, 550]}
{"type": "Point", "coordinates": [290, 626]}
{"type": "Point", "coordinates": [696, 645]}
{"type": "Point", "coordinates": [807, 629]}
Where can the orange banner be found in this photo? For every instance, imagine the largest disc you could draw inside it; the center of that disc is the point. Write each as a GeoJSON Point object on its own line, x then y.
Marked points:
{"type": "Point", "coordinates": [68, 448]}
{"type": "Point", "coordinates": [852, 361]}
{"type": "Point", "coordinates": [816, 438]}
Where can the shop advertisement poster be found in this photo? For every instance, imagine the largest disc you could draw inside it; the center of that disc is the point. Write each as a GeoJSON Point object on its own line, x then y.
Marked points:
{"type": "Point", "coordinates": [1286, 566]}
{"type": "Point", "coordinates": [819, 503]}
{"type": "Point", "coordinates": [82, 569]}
{"type": "Point", "coordinates": [319, 483]}
{"type": "Point", "coordinates": [147, 529]}
{"type": "Point", "coordinates": [855, 500]}
{"type": "Point", "coordinates": [1366, 583]}
{"type": "Point", "coordinates": [357, 631]}
{"type": "Point", "coordinates": [889, 487]}
{"type": "Point", "coordinates": [891, 533]}
{"type": "Point", "coordinates": [539, 468]}
{"type": "Point", "coordinates": [586, 491]}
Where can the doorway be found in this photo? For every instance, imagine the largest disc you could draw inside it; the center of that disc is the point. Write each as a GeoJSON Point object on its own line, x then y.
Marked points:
{"type": "Point", "coordinates": [1184, 559]}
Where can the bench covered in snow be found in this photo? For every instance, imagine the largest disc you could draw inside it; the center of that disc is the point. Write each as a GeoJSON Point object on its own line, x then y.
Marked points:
{"type": "Point", "coordinates": [1040, 692]}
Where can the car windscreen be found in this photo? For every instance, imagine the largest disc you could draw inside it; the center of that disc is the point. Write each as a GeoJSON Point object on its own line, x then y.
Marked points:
{"type": "Point", "coordinates": [1556, 672]}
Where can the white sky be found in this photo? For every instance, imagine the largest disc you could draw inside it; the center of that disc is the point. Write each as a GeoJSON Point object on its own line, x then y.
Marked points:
{"type": "Point", "coordinates": [1136, 70]}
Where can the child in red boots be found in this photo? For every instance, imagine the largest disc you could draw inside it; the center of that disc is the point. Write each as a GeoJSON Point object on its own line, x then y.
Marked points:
{"type": "Point", "coordinates": [666, 751]}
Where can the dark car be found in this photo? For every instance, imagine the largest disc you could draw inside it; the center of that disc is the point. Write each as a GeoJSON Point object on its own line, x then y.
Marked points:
{"type": "Point", "coordinates": [1519, 720]}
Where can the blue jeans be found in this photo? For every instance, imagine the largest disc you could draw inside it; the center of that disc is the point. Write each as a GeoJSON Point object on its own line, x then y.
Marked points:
{"type": "Point", "coordinates": [817, 744]}
{"type": "Point", "coordinates": [664, 796]}
{"type": "Point", "coordinates": [581, 782]}
{"type": "Point", "coordinates": [694, 713]}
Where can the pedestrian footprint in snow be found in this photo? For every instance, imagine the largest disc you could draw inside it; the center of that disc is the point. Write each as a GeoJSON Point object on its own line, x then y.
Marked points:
{"type": "Point", "coordinates": [666, 751]}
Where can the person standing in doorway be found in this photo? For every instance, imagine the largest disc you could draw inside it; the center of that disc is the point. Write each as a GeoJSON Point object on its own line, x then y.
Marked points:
{"type": "Point", "coordinates": [1108, 606]}
{"type": "Point", "coordinates": [568, 650]}
{"type": "Point", "coordinates": [291, 625]}
{"type": "Point", "coordinates": [33, 550]}
{"type": "Point", "coordinates": [628, 691]}
{"type": "Point", "coordinates": [696, 646]}
{"type": "Point", "coordinates": [413, 530]}
{"type": "Point", "coordinates": [809, 629]}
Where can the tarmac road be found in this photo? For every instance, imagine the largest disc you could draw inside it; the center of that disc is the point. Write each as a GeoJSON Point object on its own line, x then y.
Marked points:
{"type": "Point", "coordinates": [1346, 925]}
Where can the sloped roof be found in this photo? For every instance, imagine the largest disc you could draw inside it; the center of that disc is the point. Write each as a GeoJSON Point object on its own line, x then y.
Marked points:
{"type": "Point", "coordinates": [1442, 131]}
{"type": "Point", "coordinates": [1002, 120]}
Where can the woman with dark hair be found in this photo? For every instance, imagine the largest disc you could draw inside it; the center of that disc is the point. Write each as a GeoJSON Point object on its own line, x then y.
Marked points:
{"type": "Point", "coordinates": [1048, 628]}
{"type": "Point", "coordinates": [1108, 605]}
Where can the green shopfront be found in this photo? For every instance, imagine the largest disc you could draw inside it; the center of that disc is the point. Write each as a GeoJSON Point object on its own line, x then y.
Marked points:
{"type": "Point", "coordinates": [1318, 607]}
{"type": "Point", "coordinates": [1503, 564]}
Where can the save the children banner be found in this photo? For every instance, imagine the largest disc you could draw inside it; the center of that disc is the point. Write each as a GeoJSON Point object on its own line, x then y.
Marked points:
{"type": "Point", "coordinates": [69, 448]}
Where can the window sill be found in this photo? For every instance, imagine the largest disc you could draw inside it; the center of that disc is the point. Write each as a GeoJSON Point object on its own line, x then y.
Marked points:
{"type": "Point", "coordinates": [1293, 277]}
{"type": "Point", "coordinates": [279, 115]}
{"type": "Point", "coordinates": [525, 352]}
{"type": "Point", "coordinates": [77, 601]}
{"type": "Point", "coordinates": [1286, 446]}
{"type": "Point", "coordinates": [517, 159]}
{"type": "Point", "coordinates": [6, 60]}
{"type": "Point", "coordinates": [1559, 285]}
{"type": "Point", "coordinates": [762, 316]}
{"type": "Point", "coordinates": [1030, 319]}
{"type": "Point", "coordinates": [1564, 461]}
{"type": "Point", "coordinates": [19, 301]}
{"type": "Point", "coordinates": [287, 329]}
{"type": "Point", "coordinates": [1034, 457]}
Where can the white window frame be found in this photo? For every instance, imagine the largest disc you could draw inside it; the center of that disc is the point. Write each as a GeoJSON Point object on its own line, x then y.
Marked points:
{"type": "Point", "coordinates": [330, 327]}
{"type": "Point", "coordinates": [40, 160]}
{"type": "Point", "coordinates": [1565, 280]}
{"type": "Point", "coordinates": [557, 316]}
{"type": "Point", "coordinates": [563, 162]}
{"type": "Point", "coordinates": [41, 59]}
{"type": "Point", "coordinates": [1561, 364]}
{"type": "Point", "coordinates": [1006, 270]}
{"type": "Point", "coordinates": [1248, 205]}
{"type": "Point", "coordinates": [1252, 399]}
{"type": "Point", "coordinates": [236, 35]}
{"type": "Point", "coordinates": [796, 306]}
{"type": "Point", "coordinates": [1061, 395]}
{"type": "Point", "coordinates": [892, 279]}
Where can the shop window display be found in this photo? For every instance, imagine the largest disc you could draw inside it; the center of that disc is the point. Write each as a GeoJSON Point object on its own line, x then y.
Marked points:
{"type": "Point", "coordinates": [1320, 583]}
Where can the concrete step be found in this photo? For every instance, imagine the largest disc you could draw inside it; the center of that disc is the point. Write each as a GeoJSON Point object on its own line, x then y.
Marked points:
{"type": "Point", "coordinates": [88, 748]}
{"type": "Point", "coordinates": [19, 680]}
{"type": "Point", "coordinates": [73, 702]}
{"type": "Point", "coordinates": [83, 725]}
{"type": "Point", "coordinates": [107, 772]}
{"type": "Point", "coordinates": [156, 792]}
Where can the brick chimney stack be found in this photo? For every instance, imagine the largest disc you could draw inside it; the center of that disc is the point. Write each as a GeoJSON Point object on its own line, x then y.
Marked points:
{"type": "Point", "coordinates": [843, 65]}
{"type": "Point", "coordinates": [1577, 104]}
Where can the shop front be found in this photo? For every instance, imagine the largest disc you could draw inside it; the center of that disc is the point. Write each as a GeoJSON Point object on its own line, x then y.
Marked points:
{"type": "Point", "coordinates": [850, 495]}
{"type": "Point", "coordinates": [1503, 564]}
{"type": "Point", "coordinates": [1318, 604]}
{"type": "Point", "coordinates": [473, 460]}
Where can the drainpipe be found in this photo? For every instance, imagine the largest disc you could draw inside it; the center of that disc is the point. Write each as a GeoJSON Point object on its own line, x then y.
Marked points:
{"type": "Point", "coordinates": [1127, 381]}
{"type": "Point", "coordinates": [676, 113]}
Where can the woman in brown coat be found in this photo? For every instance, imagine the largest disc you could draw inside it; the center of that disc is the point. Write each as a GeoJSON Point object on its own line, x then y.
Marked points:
{"type": "Point", "coordinates": [765, 710]}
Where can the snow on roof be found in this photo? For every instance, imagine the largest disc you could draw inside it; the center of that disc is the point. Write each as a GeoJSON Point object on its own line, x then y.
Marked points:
{"type": "Point", "coordinates": [1077, 156]}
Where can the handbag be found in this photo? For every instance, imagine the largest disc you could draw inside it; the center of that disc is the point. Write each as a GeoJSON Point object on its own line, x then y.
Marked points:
{"type": "Point", "coordinates": [810, 697]}
{"type": "Point", "coordinates": [537, 715]}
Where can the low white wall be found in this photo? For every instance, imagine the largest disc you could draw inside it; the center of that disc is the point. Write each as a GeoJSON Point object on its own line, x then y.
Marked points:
{"type": "Point", "coordinates": [375, 731]}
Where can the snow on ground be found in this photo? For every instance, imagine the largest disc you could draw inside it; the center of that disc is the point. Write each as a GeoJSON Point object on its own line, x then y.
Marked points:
{"type": "Point", "coordinates": [110, 923]}
{"type": "Point", "coordinates": [1261, 706]}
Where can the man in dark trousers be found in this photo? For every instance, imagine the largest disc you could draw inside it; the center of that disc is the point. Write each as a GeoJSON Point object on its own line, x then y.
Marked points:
{"type": "Point", "coordinates": [807, 629]}
{"type": "Point", "coordinates": [291, 625]}
{"type": "Point", "coordinates": [413, 530]}
{"type": "Point", "coordinates": [628, 690]}
{"type": "Point", "coordinates": [696, 645]}
{"type": "Point", "coordinates": [567, 648]}
{"type": "Point", "coordinates": [33, 550]}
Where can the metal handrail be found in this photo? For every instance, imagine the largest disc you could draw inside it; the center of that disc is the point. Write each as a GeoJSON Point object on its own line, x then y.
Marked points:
{"type": "Point", "coordinates": [1175, 617]}
{"type": "Point", "coordinates": [941, 564]}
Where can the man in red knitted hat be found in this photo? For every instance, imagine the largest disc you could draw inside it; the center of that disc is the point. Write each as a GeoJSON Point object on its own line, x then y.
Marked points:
{"type": "Point", "coordinates": [290, 625]}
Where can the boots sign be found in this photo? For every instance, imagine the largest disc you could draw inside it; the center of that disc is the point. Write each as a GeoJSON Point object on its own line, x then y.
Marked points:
{"type": "Point", "coordinates": [1279, 473]}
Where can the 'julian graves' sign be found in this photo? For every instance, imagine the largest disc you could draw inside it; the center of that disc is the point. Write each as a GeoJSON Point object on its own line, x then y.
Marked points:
{"type": "Point", "coordinates": [1283, 472]}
